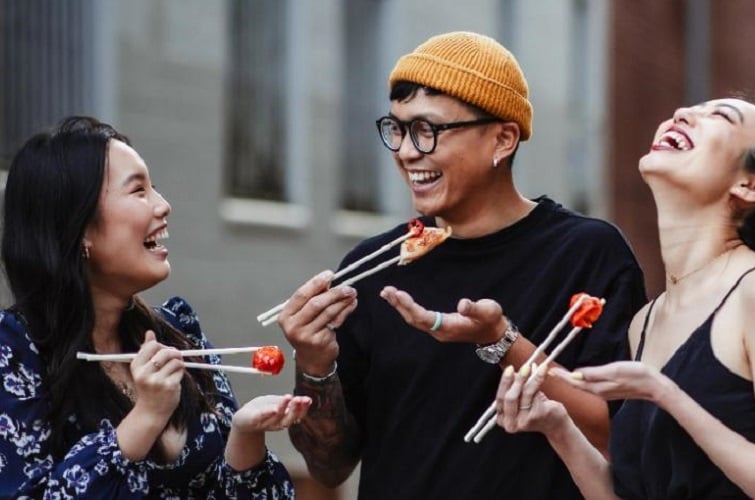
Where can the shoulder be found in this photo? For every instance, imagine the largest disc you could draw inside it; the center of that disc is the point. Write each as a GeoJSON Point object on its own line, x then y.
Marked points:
{"type": "Point", "coordinates": [20, 363]}
{"type": "Point", "coordinates": [746, 295]}
{"type": "Point", "coordinates": [738, 317]}
{"type": "Point", "coordinates": [14, 331]}
{"type": "Point", "coordinates": [580, 225]}
{"type": "Point", "coordinates": [636, 327]}
{"type": "Point", "coordinates": [594, 239]}
{"type": "Point", "coordinates": [182, 316]}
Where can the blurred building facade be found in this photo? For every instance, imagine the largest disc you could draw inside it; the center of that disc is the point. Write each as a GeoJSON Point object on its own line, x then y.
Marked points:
{"type": "Point", "coordinates": [256, 118]}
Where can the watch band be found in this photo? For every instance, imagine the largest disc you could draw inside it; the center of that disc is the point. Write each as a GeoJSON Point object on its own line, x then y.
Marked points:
{"type": "Point", "coordinates": [494, 353]}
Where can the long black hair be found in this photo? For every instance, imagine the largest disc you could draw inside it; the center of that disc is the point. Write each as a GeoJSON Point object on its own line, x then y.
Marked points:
{"type": "Point", "coordinates": [51, 195]}
{"type": "Point", "coordinates": [746, 226]}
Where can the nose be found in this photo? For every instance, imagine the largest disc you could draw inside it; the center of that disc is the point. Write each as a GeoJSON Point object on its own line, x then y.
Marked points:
{"type": "Point", "coordinates": [684, 115]}
{"type": "Point", "coordinates": [407, 149]}
{"type": "Point", "coordinates": [162, 207]}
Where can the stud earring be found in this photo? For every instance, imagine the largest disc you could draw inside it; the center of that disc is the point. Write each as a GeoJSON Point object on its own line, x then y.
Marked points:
{"type": "Point", "coordinates": [85, 252]}
{"type": "Point", "coordinates": [495, 162]}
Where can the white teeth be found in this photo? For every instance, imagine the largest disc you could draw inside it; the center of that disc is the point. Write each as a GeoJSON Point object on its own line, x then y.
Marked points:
{"type": "Point", "coordinates": [155, 238]}
{"type": "Point", "coordinates": [675, 140]}
{"type": "Point", "coordinates": [424, 176]}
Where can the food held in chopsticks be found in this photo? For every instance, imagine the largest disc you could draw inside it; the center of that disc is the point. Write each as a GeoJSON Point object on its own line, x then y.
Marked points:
{"type": "Point", "coordinates": [588, 311]}
{"type": "Point", "coordinates": [583, 311]}
{"type": "Point", "coordinates": [270, 364]}
{"type": "Point", "coordinates": [415, 247]}
{"type": "Point", "coordinates": [268, 359]}
{"type": "Point", "coordinates": [414, 244]}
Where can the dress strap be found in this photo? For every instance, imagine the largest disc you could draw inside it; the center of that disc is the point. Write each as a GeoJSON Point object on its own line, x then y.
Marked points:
{"type": "Point", "coordinates": [638, 354]}
{"type": "Point", "coordinates": [734, 287]}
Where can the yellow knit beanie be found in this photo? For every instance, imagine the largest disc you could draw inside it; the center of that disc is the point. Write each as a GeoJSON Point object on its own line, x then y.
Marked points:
{"type": "Point", "coordinates": [473, 68]}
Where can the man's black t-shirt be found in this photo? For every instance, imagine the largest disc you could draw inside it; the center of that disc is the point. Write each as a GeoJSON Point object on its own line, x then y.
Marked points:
{"type": "Point", "coordinates": [414, 398]}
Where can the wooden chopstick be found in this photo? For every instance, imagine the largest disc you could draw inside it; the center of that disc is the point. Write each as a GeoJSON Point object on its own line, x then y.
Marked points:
{"type": "Point", "coordinates": [226, 368]}
{"type": "Point", "coordinates": [270, 316]}
{"type": "Point", "coordinates": [184, 353]}
{"type": "Point", "coordinates": [125, 358]}
{"type": "Point", "coordinates": [488, 419]}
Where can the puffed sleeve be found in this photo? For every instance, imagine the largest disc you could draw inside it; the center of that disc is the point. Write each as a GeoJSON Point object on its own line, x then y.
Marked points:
{"type": "Point", "coordinates": [270, 479]}
{"type": "Point", "coordinates": [27, 469]}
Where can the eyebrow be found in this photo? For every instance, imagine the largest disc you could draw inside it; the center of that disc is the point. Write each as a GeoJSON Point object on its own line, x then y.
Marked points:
{"type": "Point", "coordinates": [735, 109]}
{"type": "Point", "coordinates": [134, 177]}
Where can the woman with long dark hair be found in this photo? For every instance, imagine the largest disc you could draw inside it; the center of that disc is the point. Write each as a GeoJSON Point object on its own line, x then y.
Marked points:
{"type": "Point", "coordinates": [82, 236]}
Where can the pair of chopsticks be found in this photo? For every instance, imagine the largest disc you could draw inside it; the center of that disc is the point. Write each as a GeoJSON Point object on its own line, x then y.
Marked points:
{"type": "Point", "coordinates": [488, 419]}
{"type": "Point", "coordinates": [271, 316]}
{"type": "Point", "coordinates": [126, 358]}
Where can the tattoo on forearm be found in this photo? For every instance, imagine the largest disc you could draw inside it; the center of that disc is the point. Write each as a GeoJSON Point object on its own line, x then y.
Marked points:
{"type": "Point", "coordinates": [327, 396]}
{"type": "Point", "coordinates": [327, 436]}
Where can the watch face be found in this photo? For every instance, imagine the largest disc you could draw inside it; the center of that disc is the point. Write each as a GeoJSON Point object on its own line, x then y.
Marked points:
{"type": "Point", "coordinates": [488, 356]}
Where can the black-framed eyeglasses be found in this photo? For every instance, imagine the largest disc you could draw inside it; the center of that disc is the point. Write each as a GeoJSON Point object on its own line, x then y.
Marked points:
{"type": "Point", "coordinates": [424, 134]}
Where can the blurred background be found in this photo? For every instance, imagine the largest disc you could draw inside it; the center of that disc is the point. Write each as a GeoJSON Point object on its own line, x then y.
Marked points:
{"type": "Point", "coordinates": [256, 118]}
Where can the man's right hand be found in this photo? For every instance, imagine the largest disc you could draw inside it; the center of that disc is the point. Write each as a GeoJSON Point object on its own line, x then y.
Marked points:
{"type": "Point", "coordinates": [310, 318]}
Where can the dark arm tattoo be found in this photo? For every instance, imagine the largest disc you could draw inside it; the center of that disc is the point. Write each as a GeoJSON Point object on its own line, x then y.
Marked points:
{"type": "Point", "coordinates": [328, 437]}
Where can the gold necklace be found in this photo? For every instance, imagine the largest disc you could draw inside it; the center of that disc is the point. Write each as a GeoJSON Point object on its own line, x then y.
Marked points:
{"type": "Point", "coordinates": [121, 383]}
{"type": "Point", "coordinates": [674, 279]}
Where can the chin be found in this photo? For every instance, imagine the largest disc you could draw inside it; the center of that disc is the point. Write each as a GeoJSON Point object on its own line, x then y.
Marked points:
{"type": "Point", "coordinates": [651, 163]}
{"type": "Point", "coordinates": [161, 276]}
{"type": "Point", "coordinates": [425, 208]}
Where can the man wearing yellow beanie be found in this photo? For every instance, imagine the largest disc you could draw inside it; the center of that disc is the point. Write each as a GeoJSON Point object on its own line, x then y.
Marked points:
{"type": "Point", "coordinates": [410, 379]}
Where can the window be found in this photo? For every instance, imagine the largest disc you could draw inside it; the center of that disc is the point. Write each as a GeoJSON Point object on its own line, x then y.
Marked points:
{"type": "Point", "coordinates": [359, 178]}
{"type": "Point", "coordinates": [255, 155]}
{"type": "Point", "coordinates": [53, 65]}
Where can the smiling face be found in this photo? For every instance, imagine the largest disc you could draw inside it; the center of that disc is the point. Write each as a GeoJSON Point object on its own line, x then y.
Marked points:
{"type": "Point", "coordinates": [702, 148]}
{"type": "Point", "coordinates": [457, 180]}
{"type": "Point", "coordinates": [125, 252]}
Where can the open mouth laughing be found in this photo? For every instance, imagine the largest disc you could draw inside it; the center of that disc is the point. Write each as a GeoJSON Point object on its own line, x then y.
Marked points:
{"type": "Point", "coordinates": [674, 139]}
{"type": "Point", "coordinates": [153, 242]}
{"type": "Point", "coordinates": [424, 176]}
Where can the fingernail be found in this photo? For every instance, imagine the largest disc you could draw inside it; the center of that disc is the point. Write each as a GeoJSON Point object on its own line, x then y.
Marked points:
{"type": "Point", "coordinates": [543, 369]}
{"type": "Point", "coordinates": [577, 375]}
{"type": "Point", "coordinates": [524, 371]}
{"type": "Point", "coordinates": [326, 275]}
{"type": "Point", "coordinates": [534, 367]}
{"type": "Point", "coordinates": [509, 371]}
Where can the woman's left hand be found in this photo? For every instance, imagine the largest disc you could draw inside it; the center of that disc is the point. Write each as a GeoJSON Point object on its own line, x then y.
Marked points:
{"type": "Point", "coordinates": [618, 380]}
{"type": "Point", "coordinates": [271, 413]}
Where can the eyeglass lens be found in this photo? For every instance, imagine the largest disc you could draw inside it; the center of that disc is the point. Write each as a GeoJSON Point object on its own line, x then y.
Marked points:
{"type": "Point", "coordinates": [421, 133]}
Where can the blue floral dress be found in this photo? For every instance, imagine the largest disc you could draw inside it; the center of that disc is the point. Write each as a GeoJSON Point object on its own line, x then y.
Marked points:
{"type": "Point", "coordinates": [94, 467]}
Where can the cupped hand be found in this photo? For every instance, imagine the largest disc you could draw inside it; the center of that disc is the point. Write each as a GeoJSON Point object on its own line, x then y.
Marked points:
{"type": "Point", "coordinates": [157, 371]}
{"type": "Point", "coordinates": [480, 322]}
{"type": "Point", "coordinates": [618, 380]}
{"type": "Point", "coordinates": [522, 406]}
{"type": "Point", "coordinates": [310, 318]}
{"type": "Point", "coordinates": [271, 413]}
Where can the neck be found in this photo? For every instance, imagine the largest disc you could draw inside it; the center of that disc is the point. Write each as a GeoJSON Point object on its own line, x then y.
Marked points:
{"type": "Point", "coordinates": [488, 220]}
{"type": "Point", "coordinates": [107, 315]}
{"type": "Point", "coordinates": [690, 247]}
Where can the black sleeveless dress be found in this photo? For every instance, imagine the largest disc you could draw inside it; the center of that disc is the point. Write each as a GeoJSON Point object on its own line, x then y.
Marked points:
{"type": "Point", "coordinates": [652, 456]}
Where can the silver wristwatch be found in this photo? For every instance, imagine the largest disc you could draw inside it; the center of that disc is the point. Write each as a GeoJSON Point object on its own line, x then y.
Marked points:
{"type": "Point", "coordinates": [494, 353]}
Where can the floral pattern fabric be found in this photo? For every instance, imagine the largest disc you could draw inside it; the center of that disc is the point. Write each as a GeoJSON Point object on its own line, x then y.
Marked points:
{"type": "Point", "coordinates": [94, 467]}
